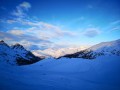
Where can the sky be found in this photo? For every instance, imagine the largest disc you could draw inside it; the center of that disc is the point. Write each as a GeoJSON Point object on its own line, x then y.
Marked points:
{"type": "Point", "coordinates": [41, 24]}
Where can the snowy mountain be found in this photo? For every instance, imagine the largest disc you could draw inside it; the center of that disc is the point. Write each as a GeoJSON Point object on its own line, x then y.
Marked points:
{"type": "Point", "coordinates": [52, 52]}
{"type": "Point", "coordinates": [104, 48]}
{"type": "Point", "coordinates": [63, 74]}
{"type": "Point", "coordinates": [16, 54]}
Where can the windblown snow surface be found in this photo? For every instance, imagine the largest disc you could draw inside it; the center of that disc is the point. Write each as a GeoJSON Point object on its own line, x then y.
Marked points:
{"type": "Point", "coordinates": [102, 73]}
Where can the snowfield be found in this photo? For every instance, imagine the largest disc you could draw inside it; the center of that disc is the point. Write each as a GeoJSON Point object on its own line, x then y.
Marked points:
{"type": "Point", "coordinates": [102, 73]}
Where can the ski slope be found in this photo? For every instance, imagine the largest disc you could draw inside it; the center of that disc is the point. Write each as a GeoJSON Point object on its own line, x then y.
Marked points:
{"type": "Point", "coordinates": [63, 74]}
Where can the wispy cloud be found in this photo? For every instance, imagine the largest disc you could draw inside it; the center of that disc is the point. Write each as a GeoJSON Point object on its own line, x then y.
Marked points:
{"type": "Point", "coordinates": [115, 29]}
{"type": "Point", "coordinates": [91, 32]}
{"type": "Point", "coordinates": [24, 39]}
{"type": "Point", "coordinates": [35, 32]}
{"type": "Point", "coordinates": [25, 5]}
{"type": "Point", "coordinates": [115, 22]}
{"type": "Point", "coordinates": [21, 9]}
{"type": "Point", "coordinates": [16, 32]}
{"type": "Point", "coordinates": [114, 26]}
{"type": "Point", "coordinates": [10, 21]}
{"type": "Point", "coordinates": [38, 28]}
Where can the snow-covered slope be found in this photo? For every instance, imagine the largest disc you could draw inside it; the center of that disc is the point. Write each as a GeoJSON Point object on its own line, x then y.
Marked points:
{"type": "Point", "coordinates": [104, 48]}
{"type": "Point", "coordinates": [7, 54]}
{"type": "Point", "coordinates": [64, 74]}
{"type": "Point", "coordinates": [16, 54]}
{"type": "Point", "coordinates": [61, 74]}
{"type": "Point", "coordinates": [51, 52]}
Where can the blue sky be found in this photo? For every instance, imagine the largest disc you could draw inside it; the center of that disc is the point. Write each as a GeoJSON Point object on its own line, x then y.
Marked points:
{"type": "Point", "coordinates": [50, 23]}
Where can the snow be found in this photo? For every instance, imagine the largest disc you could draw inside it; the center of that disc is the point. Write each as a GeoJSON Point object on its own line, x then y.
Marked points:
{"type": "Point", "coordinates": [63, 74]}
{"type": "Point", "coordinates": [6, 53]}
{"type": "Point", "coordinates": [20, 50]}
{"type": "Point", "coordinates": [106, 46]}
{"type": "Point", "coordinates": [16, 54]}
{"type": "Point", "coordinates": [59, 51]}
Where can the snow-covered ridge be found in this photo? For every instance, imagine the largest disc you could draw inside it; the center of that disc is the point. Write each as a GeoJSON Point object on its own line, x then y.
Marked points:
{"type": "Point", "coordinates": [16, 54]}
{"type": "Point", "coordinates": [104, 48]}
{"type": "Point", "coordinates": [51, 52]}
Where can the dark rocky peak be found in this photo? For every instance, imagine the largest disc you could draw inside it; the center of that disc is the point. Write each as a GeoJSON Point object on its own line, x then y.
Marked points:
{"type": "Point", "coordinates": [3, 43]}
{"type": "Point", "coordinates": [17, 46]}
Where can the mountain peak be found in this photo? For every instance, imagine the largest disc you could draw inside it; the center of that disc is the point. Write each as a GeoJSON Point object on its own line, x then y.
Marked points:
{"type": "Point", "coordinates": [17, 45]}
{"type": "Point", "coordinates": [118, 40]}
{"type": "Point", "coordinates": [16, 54]}
{"type": "Point", "coordinates": [104, 48]}
{"type": "Point", "coordinates": [2, 41]}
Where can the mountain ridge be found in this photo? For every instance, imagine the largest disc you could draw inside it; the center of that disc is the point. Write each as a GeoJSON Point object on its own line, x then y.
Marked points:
{"type": "Point", "coordinates": [103, 48]}
{"type": "Point", "coordinates": [16, 54]}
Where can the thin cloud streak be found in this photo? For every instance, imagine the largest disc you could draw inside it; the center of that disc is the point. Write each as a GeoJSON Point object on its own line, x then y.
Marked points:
{"type": "Point", "coordinates": [91, 32]}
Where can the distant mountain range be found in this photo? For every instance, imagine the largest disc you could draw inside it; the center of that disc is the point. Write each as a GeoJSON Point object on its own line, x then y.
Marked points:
{"type": "Point", "coordinates": [17, 54]}
{"type": "Point", "coordinates": [57, 52]}
{"type": "Point", "coordinates": [104, 48]}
